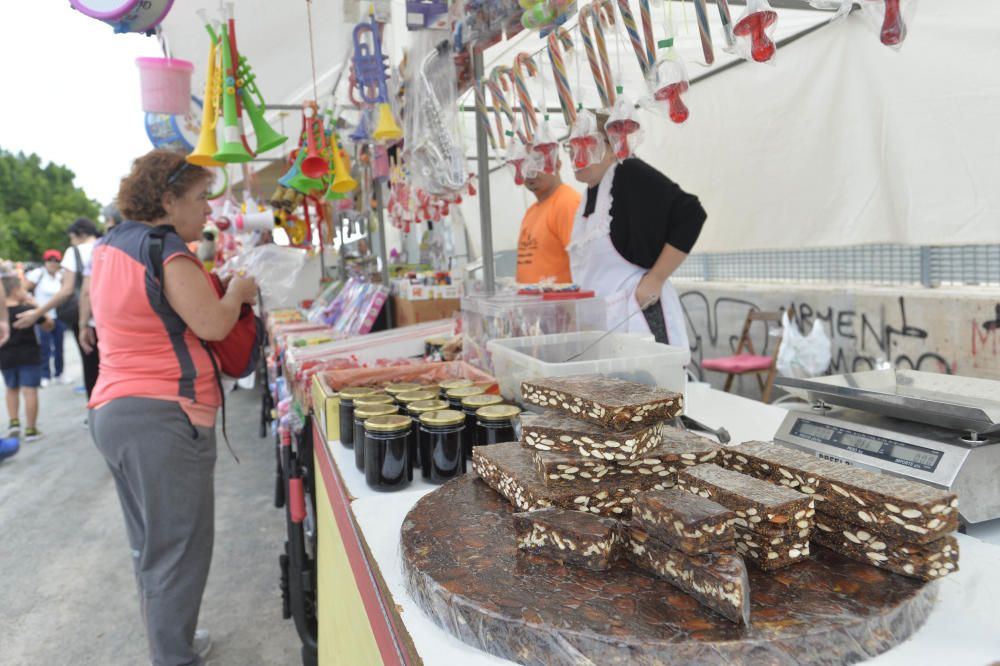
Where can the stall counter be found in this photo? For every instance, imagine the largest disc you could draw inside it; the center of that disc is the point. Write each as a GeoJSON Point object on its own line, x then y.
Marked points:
{"type": "Point", "coordinates": [367, 617]}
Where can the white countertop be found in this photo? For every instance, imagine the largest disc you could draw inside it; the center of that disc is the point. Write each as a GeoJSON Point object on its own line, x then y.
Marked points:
{"type": "Point", "coordinates": [963, 628]}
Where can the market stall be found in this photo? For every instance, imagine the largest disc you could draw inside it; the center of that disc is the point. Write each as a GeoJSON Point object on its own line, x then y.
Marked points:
{"type": "Point", "coordinates": [424, 504]}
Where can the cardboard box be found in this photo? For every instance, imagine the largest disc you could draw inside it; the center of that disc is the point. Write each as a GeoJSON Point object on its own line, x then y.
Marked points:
{"type": "Point", "coordinates": [406, 312]}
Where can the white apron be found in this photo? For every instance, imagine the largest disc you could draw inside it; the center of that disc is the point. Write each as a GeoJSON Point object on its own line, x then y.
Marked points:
{"type": "Point", "coordinates": [596, 265]}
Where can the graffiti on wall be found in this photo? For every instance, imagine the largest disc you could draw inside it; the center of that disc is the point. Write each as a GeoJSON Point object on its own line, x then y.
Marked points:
{"type": "Point", "coordinates": [883, 332]}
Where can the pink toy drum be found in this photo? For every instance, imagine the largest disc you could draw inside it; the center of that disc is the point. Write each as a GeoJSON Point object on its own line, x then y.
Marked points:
{"type": "Point", "coordinates": [126, 15]}
{"type": "Point", "coordinates": [166, 84]}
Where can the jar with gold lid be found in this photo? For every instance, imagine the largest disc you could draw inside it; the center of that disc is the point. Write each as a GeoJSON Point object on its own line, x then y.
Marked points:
{"type": "Point", "coordinates": [495, 424]}
{"type": "Point", "coordinates": [361, 414]}
{"type": "Point", "coordinates": [347, 397]}
{"type": "Point", "coordinates": [469, 407]}
{"type": "Point", "coordinates": [415, 409]}
{"type": "Point", "coordinates": [387, 456]}
{"type": "Point", "coordinates": [441, 457]}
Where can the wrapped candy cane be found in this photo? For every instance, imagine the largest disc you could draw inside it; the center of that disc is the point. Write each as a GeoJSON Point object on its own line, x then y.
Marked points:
{"type": "Point", "coordinates": [522, 62]}
{"type": "Point", "coordinates": [704, 30]}
{"type": "Point", "coordinates": [600, 14]}
{"type": "Point", "coordinates": [497, 85]}
{"type": "Point", "coordinates": [483, 115]}
{"type": "Point", "coordinates": [559, 37]}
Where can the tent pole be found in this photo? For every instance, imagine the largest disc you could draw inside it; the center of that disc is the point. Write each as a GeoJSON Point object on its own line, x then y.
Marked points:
{"type": "Point", "coordinates": [483, 159]}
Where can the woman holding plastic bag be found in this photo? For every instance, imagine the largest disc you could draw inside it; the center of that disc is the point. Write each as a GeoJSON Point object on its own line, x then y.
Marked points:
{"type": "Point", "coordinates": [634, 228]}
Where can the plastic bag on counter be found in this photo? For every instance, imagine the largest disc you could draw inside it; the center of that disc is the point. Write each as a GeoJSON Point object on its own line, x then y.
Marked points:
{"type": "Point", "coordinates": [275, 268]}
{"type": "Point", "coordinates": [434, 153]}
{"type": "Point", "coordinates": [889, 19]}
{"type": "Point", "coordinates": [754, 32]}
{"type": "Point", "coordinates": [623, 128]}
{"type": "Point", "coordinates": [800, 355]}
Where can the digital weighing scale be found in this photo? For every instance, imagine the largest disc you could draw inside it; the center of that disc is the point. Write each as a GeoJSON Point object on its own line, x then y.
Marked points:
{"type": "Point", "coordinates": [942, 430]}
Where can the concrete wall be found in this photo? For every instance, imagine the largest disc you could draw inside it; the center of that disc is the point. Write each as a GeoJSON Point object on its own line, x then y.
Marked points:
{"type": "Point", "coordinates": [953, 330]}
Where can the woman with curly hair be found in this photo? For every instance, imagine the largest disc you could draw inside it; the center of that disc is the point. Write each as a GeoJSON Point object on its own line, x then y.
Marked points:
{"type": "Point", "coordinates": [152, 413]}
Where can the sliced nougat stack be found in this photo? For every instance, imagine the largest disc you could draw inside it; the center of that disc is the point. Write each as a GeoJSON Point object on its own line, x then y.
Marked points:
{"type": "Point", "coordinates": [580, 539]}
{"type": "Point", "coordinates": [614, 404]}
{"type": "Point", "coordinates": [770, 553]}
{"type": "Point", "coordinates": [927, 561]}
{"type": "Point", "coordinates": [509, 469]}
{"type": "Point", "coordinates": [759, 506]}
{"type": "Point", "coordinates": [677, 449]}
{"type": "Point", "coordinates": [684, 521]}
{"type": "Point", "coordinates": [899, 508]}
{"type": "Point", "coordinates": [553, 432]}
{"type": "Point", "coordinates": [718, 581]}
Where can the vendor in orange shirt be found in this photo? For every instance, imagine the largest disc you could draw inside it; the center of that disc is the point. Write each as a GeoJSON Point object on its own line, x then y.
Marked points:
{"type": "Point", "coordinates": [546, 230]}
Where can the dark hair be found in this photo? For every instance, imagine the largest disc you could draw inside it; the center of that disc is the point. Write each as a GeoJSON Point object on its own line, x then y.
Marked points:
{"type": "Point", "coordinates": [83, 227]}
{"type": "Point", "coordinates": [140, 195]}
{"type": "Point", "coordinates": [11, 283]}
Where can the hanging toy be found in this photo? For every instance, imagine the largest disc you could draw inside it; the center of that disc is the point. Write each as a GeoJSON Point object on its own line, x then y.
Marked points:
{"type": "Point", "coordinates": [887, 17]}
{"type": "Point", "coordinates": [624, 131]}
{"type": "Point", "coordinates": [757, 25]}
{"type": "Point", "coordinates": [586, 143]}
{"type": "Point", "coordinates": [600, 13]}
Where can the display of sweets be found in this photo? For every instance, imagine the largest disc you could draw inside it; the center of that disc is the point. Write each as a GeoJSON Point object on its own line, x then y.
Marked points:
{"type": "Point", "coordinates": [582, 539]}
{"type": "Point", "coordinates": [684, 521]}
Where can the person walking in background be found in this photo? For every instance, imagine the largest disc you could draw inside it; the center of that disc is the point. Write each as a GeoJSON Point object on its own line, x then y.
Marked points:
{"type": "Point", "coordinates": [83, 234]}
{"type": "Point", "coordinates": [87, 330]}
{"type": "Point", "coordinates": [4, 322]}
{"type": "Point", "coordinates": [20, 360]}
{"type": "Point", "coordinates": [45, 282]}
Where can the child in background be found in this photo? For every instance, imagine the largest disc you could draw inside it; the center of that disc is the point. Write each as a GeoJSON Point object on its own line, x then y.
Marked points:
{"type": "Point", "coordinates": [20, 360]}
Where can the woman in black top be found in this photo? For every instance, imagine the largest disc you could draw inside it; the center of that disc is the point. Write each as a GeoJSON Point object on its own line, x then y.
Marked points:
{"type": "Point", "coordinates": [632, 231]}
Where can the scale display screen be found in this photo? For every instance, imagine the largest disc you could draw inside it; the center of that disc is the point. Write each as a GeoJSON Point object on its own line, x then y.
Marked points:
{"type": "Point", "coordinates": [900, 453]}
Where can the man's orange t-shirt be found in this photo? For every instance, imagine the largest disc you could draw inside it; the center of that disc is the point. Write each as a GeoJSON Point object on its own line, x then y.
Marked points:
{"type": "Point", "coordinates": [545, 232]}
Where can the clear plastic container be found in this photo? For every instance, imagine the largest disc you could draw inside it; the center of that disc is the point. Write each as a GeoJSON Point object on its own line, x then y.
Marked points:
{"type": "Point", "coordinates": [622, 355]}
{"type": "Point", "coordinates": [512, 316]}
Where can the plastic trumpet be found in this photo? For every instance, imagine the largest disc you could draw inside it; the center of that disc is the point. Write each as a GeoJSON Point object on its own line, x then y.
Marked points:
{"type": "Point", "coordinates": [203, 153]}
{"type": "Point", "coordinates": [314, 165]}
{"type": "Point", "coordinates": [371, 76]}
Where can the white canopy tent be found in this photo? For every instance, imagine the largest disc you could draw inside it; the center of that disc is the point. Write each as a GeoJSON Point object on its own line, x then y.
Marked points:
{"type": "Point", "coordinates": [841, 141]}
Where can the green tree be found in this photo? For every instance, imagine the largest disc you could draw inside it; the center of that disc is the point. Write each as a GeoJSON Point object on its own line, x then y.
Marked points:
{"type": "Point", "coordinates": [37, 204]}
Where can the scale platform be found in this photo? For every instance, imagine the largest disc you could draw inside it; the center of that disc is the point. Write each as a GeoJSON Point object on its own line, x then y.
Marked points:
{"type": "Point", "coordinates": [942, 430]}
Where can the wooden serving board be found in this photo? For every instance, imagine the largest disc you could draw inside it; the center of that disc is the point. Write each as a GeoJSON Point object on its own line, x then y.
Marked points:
{"type": "Point", "coordinates": [464, 569]}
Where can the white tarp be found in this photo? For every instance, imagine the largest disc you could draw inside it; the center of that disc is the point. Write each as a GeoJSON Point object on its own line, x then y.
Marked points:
{"type": "Point", "coordinates": [842, 141]}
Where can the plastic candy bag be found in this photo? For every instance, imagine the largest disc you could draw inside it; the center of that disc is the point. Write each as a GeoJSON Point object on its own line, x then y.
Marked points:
{"type": "Point", "coordinates": [800, 355]}
{"type": "Point", "coordinates": [890, 18]}
{"type": "Point", "coordinates": [516, 157]}
{"type": "Point", "coordinates": [276, 269]}
{"type": "Point", "coordinates": [670, 83]}
{"type": "Point", "coordinates": [586, 144]}
{"type": "Point", "coordinates": [545, 148]}
{"type": "Point", "coordinates": [842, 7]}
{"type": "Point", "coordinates": [623, 129]}
{"type": "Point", "coordinates": [754, 31]}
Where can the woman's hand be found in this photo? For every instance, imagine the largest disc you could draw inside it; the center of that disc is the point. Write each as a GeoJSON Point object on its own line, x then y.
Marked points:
{"type": "Point", "coordinates": [28, 318]}
{"type": "Point", "coordinates": [648, 290]}
{"type": "Point", "coordinates": [244, 288]}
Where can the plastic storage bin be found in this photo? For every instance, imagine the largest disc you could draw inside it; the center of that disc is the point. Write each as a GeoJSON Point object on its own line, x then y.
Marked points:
{"type": "Point", "coordinates": [623, 355]}
{"type": "Point", "coordinates": [513, 316]}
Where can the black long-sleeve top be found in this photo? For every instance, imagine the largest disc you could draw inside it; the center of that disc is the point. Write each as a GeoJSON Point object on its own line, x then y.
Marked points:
{"type": "Point", "coordinates": [648, 211]}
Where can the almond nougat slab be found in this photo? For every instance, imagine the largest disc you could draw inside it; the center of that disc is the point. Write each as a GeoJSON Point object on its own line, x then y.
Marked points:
{"type": "Point", "coordinates": [684, 521]}
{"type": "Point", "coordinates": [573, 537]}
{"type": "Point", "coordinates": [615, 404]}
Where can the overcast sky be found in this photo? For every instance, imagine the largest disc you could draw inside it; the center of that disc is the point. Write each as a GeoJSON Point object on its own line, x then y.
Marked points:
{"type": "Point", "coordinates": [70, 91]}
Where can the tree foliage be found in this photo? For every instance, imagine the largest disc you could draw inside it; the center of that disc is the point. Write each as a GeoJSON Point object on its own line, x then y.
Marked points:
{"type": "Point", "coordinates": [37, 204]}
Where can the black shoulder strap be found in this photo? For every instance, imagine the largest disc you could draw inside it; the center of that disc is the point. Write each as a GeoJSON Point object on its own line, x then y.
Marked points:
{"type": "Point", "coordinates": [78, 278]}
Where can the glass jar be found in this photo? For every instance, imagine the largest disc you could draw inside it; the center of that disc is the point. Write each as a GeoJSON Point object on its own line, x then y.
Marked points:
{"type": "Point", "coordinates": [441, 457]}
{"type": "Point", "coordinates": [404, 399]}
{"type": "Point", "coordinates": [396, 388]}
{"type": "Point", "coordinates": [495, 424]}
{"type": "Point", "coordinates": [469, 407]}
{"type": "Point", "coordinates": [387, 456]}
{"type": "Point", "coordinates": [450, 384]}
{"type": "Point", "coordinates": [457, 395]}
{"type": "Point", "coordinates": [361, 414]}
{"type": "Point", "coordinates": [347, 397]}
{"type": "Point", "coordinates": [415, 410]}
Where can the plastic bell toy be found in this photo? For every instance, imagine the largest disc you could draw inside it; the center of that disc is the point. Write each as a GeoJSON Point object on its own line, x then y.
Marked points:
{"type": "Point", "coordinates": [671, 83]}
{"type": "Point", "coordinates": [624, 131]}
{"type": "Point", "coordinates": [515, 159]}
{"type": "Point", "coordinates": [546, 147]}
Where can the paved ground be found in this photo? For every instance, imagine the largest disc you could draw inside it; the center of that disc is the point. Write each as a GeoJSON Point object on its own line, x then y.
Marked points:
{"type": "Point", "coordinates": [67, 595]}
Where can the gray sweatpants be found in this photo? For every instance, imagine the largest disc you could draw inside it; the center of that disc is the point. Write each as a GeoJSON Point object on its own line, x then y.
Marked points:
{"type": "Point", "coordinates": [163, 468]}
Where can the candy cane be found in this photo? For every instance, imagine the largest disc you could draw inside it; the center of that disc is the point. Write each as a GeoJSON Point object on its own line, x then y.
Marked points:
{"type": "Point", "coordinates": [597, 14]}
{"type": "Point", "coordinates": [701, 12]}
{"type": "Point", "coordinates": [727, 22]}
{"type": "Point", "coordinates": [482, 114]}
{"type": "Point", "coordinates": [497, 84]}
{"type": "Point", "coordinates": [646, 56]}
{"type": "Point", "coordinates": [521, 62]}
{"type": "Point", "coordinates": [558, 37]}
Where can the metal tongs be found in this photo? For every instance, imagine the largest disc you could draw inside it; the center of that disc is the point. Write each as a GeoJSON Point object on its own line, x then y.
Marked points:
{"type": "Point", "coordinates": [653, 300]}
